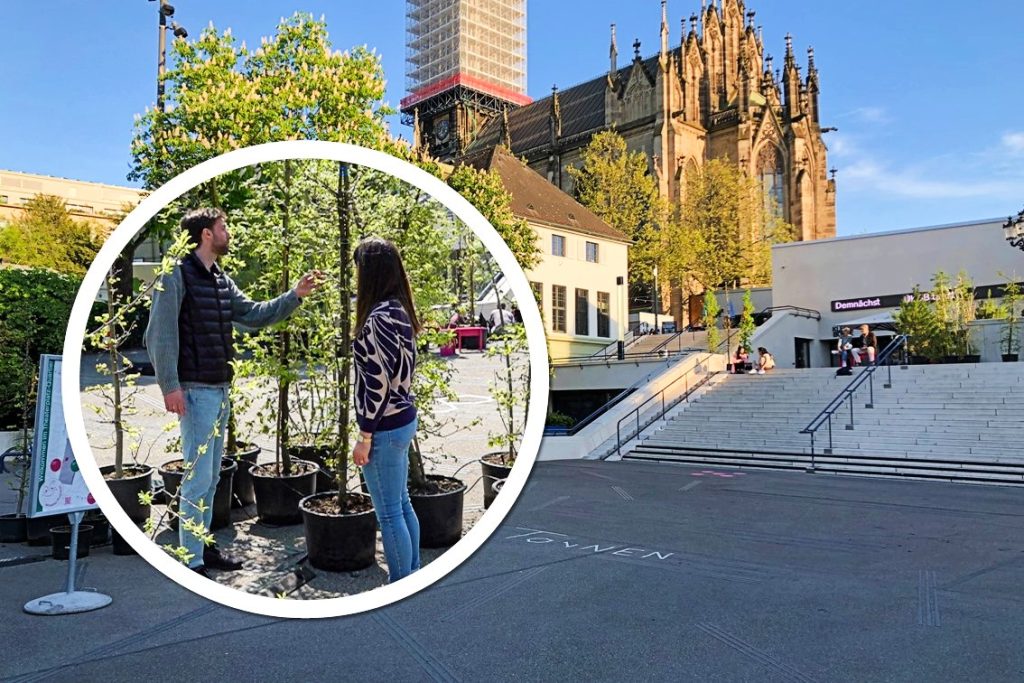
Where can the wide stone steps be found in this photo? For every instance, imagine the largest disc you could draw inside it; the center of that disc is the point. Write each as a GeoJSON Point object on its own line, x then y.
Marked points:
{"type": "Point", "coordinates": [948, 422]}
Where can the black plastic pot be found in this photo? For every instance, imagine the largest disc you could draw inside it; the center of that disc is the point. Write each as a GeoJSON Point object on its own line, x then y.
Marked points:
{"type": "Point", "coordinates": [440, 515]}
{"type": "Point", "coordinates": [119, 545]}
{"type": "Point", "coordinates": [318, 455]}
{"type": "Point", "coordinates": [221, 499]}
{"type": "Point", "coordinates": [137, 479]}
{"type": "Point", "coordinates": [13, 528]}
{"type": "Point", "coordinates": [339, 543]}
{"type": "Point", "coordinates": [492, 472]}
{"type": "Point", "coordinates": [37, 529]}
{"type": "Point", "coordinates": [1010, 357]}
{"type": "Point", "coordinates": [61, 542]}
{"type": "Point", "coordinates": [241, 484]}
{"type": "Point", "coordinates": [919, 360]}
{"type": "Point", "coordinates": [972, 358]}
{"type": "Point", "coordinates": [100, 528]}
{"type": "Point", "coordinates": [277, 498]}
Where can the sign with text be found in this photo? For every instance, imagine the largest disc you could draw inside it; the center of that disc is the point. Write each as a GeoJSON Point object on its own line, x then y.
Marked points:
{"type": "Point", "coordinates": [868, 303]}
{"type": "Point", "coordinates": [56, 485]}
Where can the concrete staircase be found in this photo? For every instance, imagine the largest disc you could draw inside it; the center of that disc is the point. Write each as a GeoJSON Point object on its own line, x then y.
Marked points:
{"type": "Point", "coordinates": [951, 422]}
{"type": "Point", "coordinates": [669, 343]}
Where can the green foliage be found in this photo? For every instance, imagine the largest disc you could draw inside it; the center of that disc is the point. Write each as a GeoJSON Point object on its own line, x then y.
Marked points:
{"type": "Point", "coordinates": [724, 232]}
{"type": "Point", "coordinates": [510, 388]}
{"type": "Point", "coordinates": [1012, 297]}
{"type": "Point", "coordinates": [710, 320]}
{"type": "Point", "coordinates": [916, 318]}
{"type": "Point", "coordinates": [953, 300]}
{"type": "Point", "coordinates": [556, 419]}
{"type": "Point", "coordinates": [616, 184]}
{"type": "Point", "coordinates": [46, 236]}
{"type": "Point", "coordinates": [747, 326]}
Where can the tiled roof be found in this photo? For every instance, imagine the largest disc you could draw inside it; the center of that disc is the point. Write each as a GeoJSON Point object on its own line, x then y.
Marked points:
{"type": "Point", "coordinates": [535, 199]}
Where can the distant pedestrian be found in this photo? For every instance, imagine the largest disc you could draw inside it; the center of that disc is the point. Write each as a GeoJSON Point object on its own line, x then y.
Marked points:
{"type": "Point", "coordinates": [740, 360]}
{"type": "Point", "coordinates": [517, 315]}
{"type": "Point", "coordinates": [500, 317]}
{"type": "Point", "coordinates": [868, 345]}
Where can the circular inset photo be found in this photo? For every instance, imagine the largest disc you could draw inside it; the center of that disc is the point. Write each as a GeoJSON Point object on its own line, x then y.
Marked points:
{"type": "Point", "coordinates": [320, 388]}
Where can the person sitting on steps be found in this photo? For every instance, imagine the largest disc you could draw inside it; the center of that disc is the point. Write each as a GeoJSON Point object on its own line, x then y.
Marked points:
{"type": "Point", "coordinates": [765, 362]}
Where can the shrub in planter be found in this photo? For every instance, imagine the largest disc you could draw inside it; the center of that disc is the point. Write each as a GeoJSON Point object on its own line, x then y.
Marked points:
{"type": "Point", "coordinates": [510, 390]}
{"type": "Point", "coordinates": [1011, 304]}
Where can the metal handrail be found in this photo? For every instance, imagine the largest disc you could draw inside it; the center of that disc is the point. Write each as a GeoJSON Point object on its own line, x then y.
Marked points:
{"type": "Point", "coordinates": [613, 348]}
{"type": "Point", "coordinates": [798, 310]}
{"type": "Point", "coordinates": [642, 355]}
{"type": "Point", "coordinates": [687, 390]}
{"type": "Point", "coordinates": [867, 375]}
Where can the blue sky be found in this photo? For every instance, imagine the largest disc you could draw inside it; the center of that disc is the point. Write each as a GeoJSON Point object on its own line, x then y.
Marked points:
{"type": "Point", "coordinates": [927, 94]}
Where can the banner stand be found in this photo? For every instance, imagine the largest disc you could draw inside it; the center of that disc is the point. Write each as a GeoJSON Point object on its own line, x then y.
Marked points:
{"type": "Point", "coordinates": [71, 601]}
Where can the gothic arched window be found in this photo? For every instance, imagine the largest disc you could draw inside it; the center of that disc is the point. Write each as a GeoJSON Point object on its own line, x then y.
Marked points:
{"type": "Point", "coordinates": [770, 171]}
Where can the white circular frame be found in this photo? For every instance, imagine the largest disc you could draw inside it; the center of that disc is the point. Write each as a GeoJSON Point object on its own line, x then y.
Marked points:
{"type": "Point", "coordinates": [328, 607]}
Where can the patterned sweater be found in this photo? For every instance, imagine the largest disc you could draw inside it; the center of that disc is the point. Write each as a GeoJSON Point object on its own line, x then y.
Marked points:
{"type": "Point", "coordinates": [385, 355]}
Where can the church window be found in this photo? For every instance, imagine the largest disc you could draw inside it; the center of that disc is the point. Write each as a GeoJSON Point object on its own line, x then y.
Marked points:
{"type": "Point", "coordinates": [770, 172]}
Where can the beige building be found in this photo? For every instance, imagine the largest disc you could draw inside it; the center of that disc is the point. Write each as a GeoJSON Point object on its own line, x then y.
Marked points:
{"type": "Point", "coordinates": [101, 204]}
{"type": "Point", "coordinates": [580, 280]}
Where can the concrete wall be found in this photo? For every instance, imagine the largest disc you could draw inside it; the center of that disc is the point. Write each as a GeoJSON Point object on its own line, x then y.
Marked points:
{"type": "Point", "coordinates": [778, 333]}
{"type": "Point", "coordinates": [760, 296]}
{"type": "Point", "coordinates": [574, 271]}
{"type": "Point", "coordinates": [987, 337]}
{"type": "Point", "coordinates": [610, 375]}
{"type": "Point", "coordinates": [601, 430]}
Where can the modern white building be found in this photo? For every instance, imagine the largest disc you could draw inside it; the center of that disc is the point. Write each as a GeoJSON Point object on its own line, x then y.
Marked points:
{"type": "Point", "coordinates": [581, 280]}
{"type": "Point", "coordinates": [863, 279]}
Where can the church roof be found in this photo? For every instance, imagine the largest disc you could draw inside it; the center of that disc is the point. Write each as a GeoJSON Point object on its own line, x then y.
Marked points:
{"type": "Point", "coordinates": [582, 109]}
{"type": "Point", "coordinates": [535, 199]}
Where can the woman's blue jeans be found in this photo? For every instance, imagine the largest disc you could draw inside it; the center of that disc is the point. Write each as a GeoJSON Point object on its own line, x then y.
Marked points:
{"type": "Point", "coordinates": [387, 478]}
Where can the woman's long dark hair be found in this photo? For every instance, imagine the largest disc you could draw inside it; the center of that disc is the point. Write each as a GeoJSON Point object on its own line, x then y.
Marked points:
{"type": "Point", "coordinates": [381, 276]}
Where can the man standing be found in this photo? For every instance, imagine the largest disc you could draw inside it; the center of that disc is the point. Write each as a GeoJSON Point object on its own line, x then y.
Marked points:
{"type": "Point", "coordinates": [190, 340]}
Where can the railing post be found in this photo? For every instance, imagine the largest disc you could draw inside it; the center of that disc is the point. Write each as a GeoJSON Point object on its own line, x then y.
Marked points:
{"type": "Point", "coordinates": [618, 439]}
{"type": "Point", "coordinates": [888, 364]}
{"type": "Point", "coordinates": [850, 399]}
{"type": "Point", "coordinates": [638, 423]}
{"type": "Point", "coordinates": [812, 453]}
{"type": "Point", "coordinates": [663, 402]}
{"type": "Point", "coordinates": [871, 389]}
{"type": "Point", "coordinates": [830, 446]}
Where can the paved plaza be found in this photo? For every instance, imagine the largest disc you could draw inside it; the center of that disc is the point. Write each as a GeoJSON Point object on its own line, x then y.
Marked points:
{"type": "Point", "coordinates": [610, 571]}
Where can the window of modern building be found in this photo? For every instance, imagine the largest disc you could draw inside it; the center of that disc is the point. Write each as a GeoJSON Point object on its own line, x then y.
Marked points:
{"type": "Point", "coordinates": [582, 312]}
{"type": "Point", "coordinates": [558, 245]}
{"type": "Point", "coordinates": [604, 314]}
{"type": "Point", "coordinates": [592, 252]}
{"type": "Point", "coordinates": [557, 308]}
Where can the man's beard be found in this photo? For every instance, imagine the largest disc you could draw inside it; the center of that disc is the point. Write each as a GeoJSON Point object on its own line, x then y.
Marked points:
{"type": "Point", "coordinates": [221, 249]}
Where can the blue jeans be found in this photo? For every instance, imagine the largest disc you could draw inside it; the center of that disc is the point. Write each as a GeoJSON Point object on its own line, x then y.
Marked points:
{"type": "Point", "coordinates": [203, 427]}
{"type": "Point", "coordinates": [387, 478]}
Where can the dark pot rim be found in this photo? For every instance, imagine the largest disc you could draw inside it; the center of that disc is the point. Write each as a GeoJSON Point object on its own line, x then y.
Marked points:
{"type": "Point", "coordinates": [66, 529]}
{"type": "Point", "coordinates": [306, 511]}
{"type": "Point", "coordinates": [496, 454]}
{"type": "Point", "coordinates": [13, 515]}
{"type": "Point", "coordinates": [226, 463]}
{"type": "Point", "coordinates": [248, 449]}
{"type": "Point", "coordinates": [140, 471]}
{"type": "Point", "coordinates": [314, 468]}
{"type": "Point", "coordinates": [440, 477]}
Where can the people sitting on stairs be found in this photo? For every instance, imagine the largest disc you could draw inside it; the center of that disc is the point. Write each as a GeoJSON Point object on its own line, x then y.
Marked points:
{"type": "Point", "coordinates": [741, 361]}
{"type": "Point", "coordinates": [765, 361]}
{"type": "Point", "coordinates": [868, 345]}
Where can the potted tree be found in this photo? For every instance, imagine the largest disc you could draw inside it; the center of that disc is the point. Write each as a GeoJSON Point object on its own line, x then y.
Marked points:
{"type": "Point", "coordinates": [1011, 333]}
{"type": "Point", "coordinates": [510, 390]}
{"type": "Point", "coordinates": [18, 364]}
{"type": "Point", "coordinates": [340, 526]}
{"type": "Point", "coordinates": [916, 319]}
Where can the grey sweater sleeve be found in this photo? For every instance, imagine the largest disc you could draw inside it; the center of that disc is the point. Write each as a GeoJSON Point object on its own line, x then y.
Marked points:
{"type": "Point", "coordinates": [162, 332]}
{"type": "Point", "coordinates": [247, 312]}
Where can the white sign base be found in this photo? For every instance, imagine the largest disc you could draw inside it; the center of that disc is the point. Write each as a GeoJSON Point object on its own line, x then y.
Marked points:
{"type": "Point", "coordinates": [71, 601]}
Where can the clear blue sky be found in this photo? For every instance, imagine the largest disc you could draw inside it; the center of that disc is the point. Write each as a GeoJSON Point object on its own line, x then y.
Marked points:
{"type": "Point", "coordinates": [927, 94]}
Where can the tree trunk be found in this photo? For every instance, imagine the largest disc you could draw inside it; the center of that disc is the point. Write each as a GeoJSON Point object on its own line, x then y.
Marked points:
{"type": "Point", "coordinates": [285, 338]}
{"type": "Point", "coordinates": [344, 354]}
{"type": "Point", "coordinates": [417, 473]}
{"type": "Point", "coordinates": [115, 368]}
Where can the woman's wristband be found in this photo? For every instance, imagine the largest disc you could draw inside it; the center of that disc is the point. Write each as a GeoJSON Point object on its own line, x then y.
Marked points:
{"type": "Point", "coordinates": [365, 438]}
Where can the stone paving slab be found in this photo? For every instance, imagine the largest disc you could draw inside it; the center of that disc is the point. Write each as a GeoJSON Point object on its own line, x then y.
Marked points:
{"type": "Point", "coordinates": [612, 571]}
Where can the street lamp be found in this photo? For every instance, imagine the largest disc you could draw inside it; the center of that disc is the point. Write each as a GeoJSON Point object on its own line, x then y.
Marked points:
{"type": "Point", "coordinates": [165, 12]}
{"type": "Point", "coordinates": [656, 302]}
{"type": "Point", "coordinates": [1013, 230]}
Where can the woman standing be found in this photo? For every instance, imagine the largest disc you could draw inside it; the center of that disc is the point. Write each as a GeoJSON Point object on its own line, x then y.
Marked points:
{"type": "Point", "coordinates": [385, 356]}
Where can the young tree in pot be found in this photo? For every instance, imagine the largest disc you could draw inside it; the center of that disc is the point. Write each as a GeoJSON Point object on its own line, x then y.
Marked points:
{"type": "Point", "coordinates": [131, 482]}
{"type": "Point", "coordinates": [1011, 304]}
{"type": "Point", "coordinates": [916, 319]}
{"type": "Point", "coordinates": [510, 390]}
{"type": "Point", "coordinates": [341, 527]}
{"type": "Point", "coordinates": [963, 294]}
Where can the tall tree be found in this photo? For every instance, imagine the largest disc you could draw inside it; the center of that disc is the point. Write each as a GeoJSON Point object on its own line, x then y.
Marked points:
{"type": "Point", "coordinates": [46, 235]}
{"type": "Point", "coordinates": [616, 184]}
{"type": "Point", "coordinates": [724, 232]}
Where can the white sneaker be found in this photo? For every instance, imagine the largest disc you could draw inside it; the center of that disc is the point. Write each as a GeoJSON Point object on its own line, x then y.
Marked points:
{"type": "Point", "coordinates": [760, 372]}
{"type": "Point", "coordinates": [751, 372]}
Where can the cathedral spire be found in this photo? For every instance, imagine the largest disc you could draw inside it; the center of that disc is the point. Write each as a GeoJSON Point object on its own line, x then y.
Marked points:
{"type": "Point", "coordinates": [664, 32]}
{"type": "Point", "coordinates": [636, 49]}
{"type": "Point", "coordinates": [613, 56]}
{"type": "Point", "coordinates": [506, 130]}
{"type": "Point", "coordinates": [555, 120]}
{"type": "Point", "coordinates": [790, 61]}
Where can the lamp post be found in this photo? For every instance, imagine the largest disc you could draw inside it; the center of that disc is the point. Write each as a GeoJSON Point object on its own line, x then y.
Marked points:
{"type": "Point", "coordinates": [1013, 230]}
{"type": "Point", "coordinates": [655, 302]}
{"type": "Point", "coordinates": [620, 281]}
{"type": "Point", "coordinates": [165, 12]}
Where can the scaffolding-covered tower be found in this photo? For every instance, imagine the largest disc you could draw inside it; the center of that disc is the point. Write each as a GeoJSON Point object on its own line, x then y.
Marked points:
{"type": "Point", "coordinates": [465, 63]}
